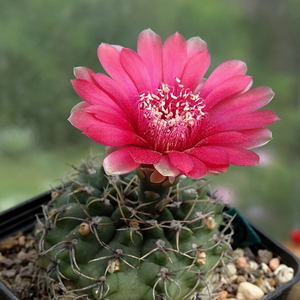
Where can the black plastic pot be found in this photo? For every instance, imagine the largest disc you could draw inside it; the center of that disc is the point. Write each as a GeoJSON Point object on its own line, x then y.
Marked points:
{"type": "Point", "coordinates": [23, 218]}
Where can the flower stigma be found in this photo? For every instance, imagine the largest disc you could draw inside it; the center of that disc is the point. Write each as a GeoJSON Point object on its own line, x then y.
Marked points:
{"type": "Point", "coordinates": [170, 116]}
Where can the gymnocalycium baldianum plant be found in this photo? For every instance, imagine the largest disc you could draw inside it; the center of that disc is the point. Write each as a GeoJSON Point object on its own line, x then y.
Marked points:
{"type": "Point", "coordinates": [143, 226]}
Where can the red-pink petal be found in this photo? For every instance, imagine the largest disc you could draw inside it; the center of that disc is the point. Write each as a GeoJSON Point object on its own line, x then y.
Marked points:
{"type": "Point", "coordinates": [249, 101]}
{"type": "Point", "coordinates": [181, 161]}
{"type": "Point", "coordinates": [228, 137]}
{"type": "Point", "coordinates": [90, 93]}
{"type": "Point", "coordinates": [80, 106]}
{"type": "Point", "coordinates": [252, 120]}
{"type": "Point", "coordinates": [83, 73]}
{"type": "Point", "coordinates": [210, 155]}
{"type": "Point", "coordinates": [200, 169]}
{"type": "Point", "coordinates": [109, 115]}
{"type": "Point", "coordinates": [174, 58]}
{"type": "Point", "coordinates": [224, 71]}
{"type": "Point", "coordinates": [228, 88]}
{"type": "Point", "coordinates": [195, 69]}
{"type": "Point", "coordinates": [255, 138]}
{"type": "Point", "coordinates": [111, 135]}
{"type": "Point", "coordinates": [165, 167]}
{"type": "Point", "coordinates": [149, 48]}
{"type": "Point", "coordinates": [144, 156]}
{"type": "Point", "coordinates": [82, 119]}
{"type": "Point", "coordinates": [109, 56]}
{"type": "Point", "coordinates": [119, 162]}
{"type": "Point", "coordinates": [136, 69]}
{"type": "Point", "coordinates": [195, 45]}
{"type": "Point", "coordinates": [116, 93]}
{"type": "Point", "coordinates": [241, 157]}
{"type": "Point", "coordinates": [188, 165]}
{"type": "Point", "coordinates": [217, 169]}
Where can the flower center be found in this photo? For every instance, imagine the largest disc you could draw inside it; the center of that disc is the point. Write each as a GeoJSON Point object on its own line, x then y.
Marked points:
{"type": "Point", "coordinates": [170, 116]}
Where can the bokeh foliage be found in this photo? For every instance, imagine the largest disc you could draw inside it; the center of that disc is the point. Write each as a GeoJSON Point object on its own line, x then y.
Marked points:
{"type": "Point", "coordinates": [41, 42]}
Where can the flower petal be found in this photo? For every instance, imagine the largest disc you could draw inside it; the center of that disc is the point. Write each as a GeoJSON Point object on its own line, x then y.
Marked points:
{"type": "Point", "coordinates": [228, 88]}
{"type": "Point", "coordinates": [210, 154]}
{"type": "Point", "coordinates": [82, 119]}
{"type": "Point", "coordinates": [217, 169]}
{"type": "Point", "coordinates": [228, 137]}
{"type": "Point", "coordinates": [83, 73]}
{"type": "Point", "coordinates": [108, 114]}
{"type": "Point", "coordinates": [136, 69]}
{"type": "Point", "coordinates": [224, 71]}
{"type": "Point", "coordinates": [174, 58]}
{"type": "Point", "coordinates": [102, 132]}
{"type": "Point", "coordinates": [241, 157]}
{"type": "Point", "coordinates": [90, 93]}
{"type": "Point", "coordinates": [255, 138]}
{"type": "Point", "coordinates": [195, 45]}
{"type": "Point", "coordinates": [188, 165]}
{"type": "Point", "coordinates": [111, 135]}
{"type": "Point", "coordinates": [195, 69]}
{"type": "Point", "coordinates": [144, 156]}
{"type": "Point", "coordinates": [165, 167]}
{"type": "Point", "coordinates": [252, 120]}
{"type": "Point", "coordinates": [80, 106]}
{"type": "Point", "coordinates": [116, 93]}
{"type": "Point", "coordinates": [119, 162]}
{"type": "Point", "coordinates": [249, 101]}
{"type": "Point", "coordinates": [149, 48]}
{"type": "Point", "coordinates": [109, 57]}
{"type": "Point", "coordinates": [181, 161]}
{"type": "Point", "coordinates": [200, 169]}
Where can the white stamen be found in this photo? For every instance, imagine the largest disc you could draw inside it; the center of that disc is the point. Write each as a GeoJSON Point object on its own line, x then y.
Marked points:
{"type": "Point", "coordinates": [170, 116]}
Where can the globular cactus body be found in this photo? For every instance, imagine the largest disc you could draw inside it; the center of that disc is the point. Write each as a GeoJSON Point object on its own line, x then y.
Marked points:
{"type": "Point", "coordinates": [102, 239]}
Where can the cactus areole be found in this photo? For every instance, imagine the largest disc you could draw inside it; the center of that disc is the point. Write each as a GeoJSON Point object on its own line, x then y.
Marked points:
{"type": "Point", "coordinates": [143, 226]}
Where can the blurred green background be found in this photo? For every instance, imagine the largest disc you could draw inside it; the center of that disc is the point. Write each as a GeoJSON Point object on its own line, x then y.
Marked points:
{"type": "Point", "coordinates": [41, 42]}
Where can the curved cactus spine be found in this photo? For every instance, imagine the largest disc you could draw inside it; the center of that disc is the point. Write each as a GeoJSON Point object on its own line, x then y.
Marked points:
{"type": "Point", "coordinates": [103, 238]}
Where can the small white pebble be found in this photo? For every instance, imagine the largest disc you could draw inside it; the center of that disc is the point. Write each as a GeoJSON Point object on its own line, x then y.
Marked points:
{"type": "Point", "coordinates": [265, 268]}
{"type": "Point", "coordinates": [284, 274]}
{"type": "Point", "coordinates": [280, 267]}
{"type": "Point", "coordinates": [249, 291]}
{"type": "Point", "coordinates": [230, 269]}
{"type": "Point", "coordinates": [251, 266]}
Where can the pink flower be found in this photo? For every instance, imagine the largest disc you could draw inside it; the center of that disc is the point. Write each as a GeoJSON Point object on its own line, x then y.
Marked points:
{"type": "Point", "coordinates": [155, 109]}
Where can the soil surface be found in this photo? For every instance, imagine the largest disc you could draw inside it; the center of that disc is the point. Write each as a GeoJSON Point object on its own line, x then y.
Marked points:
{"type": "Point", "coordinates": [19, 270]}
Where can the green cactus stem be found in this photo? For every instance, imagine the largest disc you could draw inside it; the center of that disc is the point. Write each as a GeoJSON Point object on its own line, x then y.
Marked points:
{"type": "Point", "coordinates": [131, 237]}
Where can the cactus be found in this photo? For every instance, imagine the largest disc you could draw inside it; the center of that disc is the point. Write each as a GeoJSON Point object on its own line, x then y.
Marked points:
{"type": "Point", "coordinates": [111, 237]}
